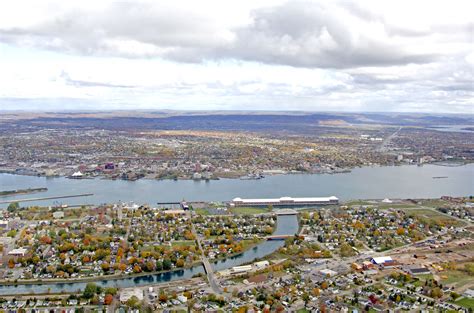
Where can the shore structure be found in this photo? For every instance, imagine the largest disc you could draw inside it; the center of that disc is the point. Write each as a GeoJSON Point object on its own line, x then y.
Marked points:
{"type": "Point", "coordinates": [284, 202]}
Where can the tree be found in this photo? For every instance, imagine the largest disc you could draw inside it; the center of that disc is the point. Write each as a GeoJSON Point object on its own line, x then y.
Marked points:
{"type": "Point", "coordinates": [90, 290]}
{"type": "Point", "coordinates": [111, 290]}
{"type": "Point", "coordinates": [454, 295]}
{"type": "Point", "coordinates": [108, 299]}
{"type": "Point", "coordinates": [149, 266]}
{"type": "Point", "coordinates": [133, 302]}
{"type": "Point", "coordinates": [12, 207]}
{"type": "Point", "coordinates": [167, 264]}
{"type": "Point", "coordinates": [105, 266]}
{"type": "Point", "coordinates": [346, 250]}
{"type": "Point", "coordinates": [163, 297]}
{"type": "Point", "coordinates": [159, 265]}
{"type": "Point", "coordinates": [436, 292]}
{"type": "Point", "coordinates": [316, 292]}
{"type": "Point", "coordinates": [137, 269]}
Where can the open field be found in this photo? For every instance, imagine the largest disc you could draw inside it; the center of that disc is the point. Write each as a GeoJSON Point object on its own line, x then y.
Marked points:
{"type": "Point", "coordinates": [455, 278]}
{"type": "Point", "coordinates": [183, 243]}
{"type": "Point", "coordinates": [466, 302]}
{"type": "Point", "coordinates": [249, 210]}
{"type": "Point", "coordinates": [432, 216]}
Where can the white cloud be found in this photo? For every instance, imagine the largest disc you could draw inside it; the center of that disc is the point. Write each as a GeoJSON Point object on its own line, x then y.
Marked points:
{"type": "Point", "coordinates": [311, 55]}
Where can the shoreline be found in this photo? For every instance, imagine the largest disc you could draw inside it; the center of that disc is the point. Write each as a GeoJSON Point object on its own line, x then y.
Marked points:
{"type": "Point", "coordinates": [96, 278]}
{"type": "Point", "coordinates": [454, 163]}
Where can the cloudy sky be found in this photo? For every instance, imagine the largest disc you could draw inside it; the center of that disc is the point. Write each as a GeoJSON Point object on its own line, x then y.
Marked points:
{"type": "Point", "coordinates": [405, 56]}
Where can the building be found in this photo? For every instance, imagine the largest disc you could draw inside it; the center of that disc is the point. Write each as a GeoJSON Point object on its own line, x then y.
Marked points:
{"type": "Point", "coordinates": [469, 293]}
{"type": "Point", "coordinates": [19, 252]}
{"type": "Point", "coordinates": [381, 260]}
{"type": "Point", "coordinates": [175, 212]}
{"type": "Point", "coordinates": [328, 273]}
{"type": "Point", "coordinates": [385, 262]}
{"type": "Point", "coordinates": [241, 269]}
{"type": "Point", "coordinates": [3, 224]}
{"type": "Point", "coordinates": [417, 270]}
{"type": "Point", "coordinates": [284, 202]}
{"type": "Point", "coordinates": [184, 205]}
{"type": "Point", "coordinates": [261, 264]}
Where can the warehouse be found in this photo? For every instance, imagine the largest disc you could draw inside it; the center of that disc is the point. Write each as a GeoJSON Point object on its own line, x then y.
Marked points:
{"type": "Point", "coordinates": [285, 202]}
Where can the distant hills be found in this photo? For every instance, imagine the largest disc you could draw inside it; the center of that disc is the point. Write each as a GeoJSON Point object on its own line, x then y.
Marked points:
{"type": "Point", "coordinates": [299, 122]}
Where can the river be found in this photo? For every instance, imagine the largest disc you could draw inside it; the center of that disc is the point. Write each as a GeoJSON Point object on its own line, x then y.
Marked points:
{"type": "Point", "coordinates": [286, 225]}
{"type": "Point", "coordinates": [407, 181]}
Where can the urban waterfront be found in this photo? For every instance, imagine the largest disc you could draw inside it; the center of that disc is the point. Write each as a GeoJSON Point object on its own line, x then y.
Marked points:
{"type": "Point", "coordinates": [406, 181]}
{"type": "Point", "coordinates": [286, 225]}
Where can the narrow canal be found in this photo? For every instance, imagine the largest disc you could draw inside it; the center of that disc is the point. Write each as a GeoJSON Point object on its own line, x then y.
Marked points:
{"type": "Point", "coordinates": [286, 225]}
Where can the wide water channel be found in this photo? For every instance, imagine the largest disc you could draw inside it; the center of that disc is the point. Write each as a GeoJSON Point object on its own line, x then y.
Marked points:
{"type": "Point", "coordinates": [408, 181]}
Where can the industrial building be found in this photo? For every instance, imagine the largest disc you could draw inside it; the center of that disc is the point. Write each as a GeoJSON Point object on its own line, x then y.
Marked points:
{"type": "Point", "coordinates": [284, 202]}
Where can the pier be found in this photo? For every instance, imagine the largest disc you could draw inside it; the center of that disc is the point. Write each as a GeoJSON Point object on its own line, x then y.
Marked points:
{"type": "Point", "coordinates": [46, 198]}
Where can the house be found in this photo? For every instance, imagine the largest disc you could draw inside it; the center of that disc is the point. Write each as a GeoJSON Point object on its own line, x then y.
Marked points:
{"type": "Point", "coordinates": [182, 299]}
{"type": "Point", "coordinates": [261, 264]}
{"type": "Point", "coordinates": [366, 265]}
{"type": "Point", "coordinates": [356, 267]}
{"type": "Point", "coordinates": [3, 224]}
{"type": "Point", "coordinates": [469, 293]}
{"type": "Point", "coordinates": [328, 272]}
{"type": "Point", "coordinates": [19, 252]}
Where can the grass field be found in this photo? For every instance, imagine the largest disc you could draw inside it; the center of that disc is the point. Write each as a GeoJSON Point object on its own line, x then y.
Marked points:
{"type": "Point", "coordinates": [183, 243]}
{"type": "Point", "coordinates": [431, 215]}
{"type": "Point", "coordinates": [468, 303]}
{"type": "Point", "coordinates": [458, 278]}
{"type": "Point", "coordinates": [249, 210]}
{"type": "Point", "coordinates": [395, 206]}
{"type": "Point", "coordinates": [202, 211]}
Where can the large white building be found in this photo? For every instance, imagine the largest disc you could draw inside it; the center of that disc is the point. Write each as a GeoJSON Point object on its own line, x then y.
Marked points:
{"type": "Point", "coordinates": [285, 201]}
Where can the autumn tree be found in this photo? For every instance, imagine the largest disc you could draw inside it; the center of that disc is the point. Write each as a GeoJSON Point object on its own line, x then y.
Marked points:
{"type": "Point", "coordinates": [108, 299]}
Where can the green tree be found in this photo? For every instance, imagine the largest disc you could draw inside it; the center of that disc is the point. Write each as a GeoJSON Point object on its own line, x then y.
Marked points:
{"type": "Point", "coordinates": [133, 302]}
{"type": "Point", "coordinates": [12, 207]}
{"type": "Point", "coordinates": [167, 264]}
{"type": "Point", "coordinates": [159, 265]}
{"type": "Point", "coordinates": [90, 290]}
{"type": "Point", "coordinates": [111, 290]}
{"type": "Point", "coordinates": [346, 250]}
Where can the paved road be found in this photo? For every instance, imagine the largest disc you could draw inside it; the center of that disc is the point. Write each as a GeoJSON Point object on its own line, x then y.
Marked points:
{"type": "Point", "coordinates": [386, 142]}
{"type": "Point", "coordinates": [207, 266]}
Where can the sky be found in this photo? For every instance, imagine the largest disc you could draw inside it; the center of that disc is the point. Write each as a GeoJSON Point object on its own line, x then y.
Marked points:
{"type": "Point", "coordinates": [354, 56]}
